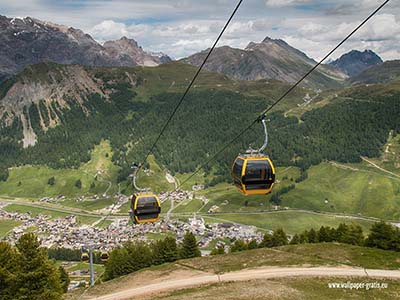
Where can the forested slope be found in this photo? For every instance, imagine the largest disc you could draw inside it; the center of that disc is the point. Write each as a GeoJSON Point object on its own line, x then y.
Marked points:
{"type": "Point", "coordinates": [133, 112]}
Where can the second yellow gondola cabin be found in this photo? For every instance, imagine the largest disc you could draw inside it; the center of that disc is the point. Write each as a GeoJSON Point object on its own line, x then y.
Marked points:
{"type": "Point", "coordinates": [104, 256]}
{"type": "Point", "coordinates": [253, 174]}
{"type": "Point", "coordinates": [145, 208]}
{"type": "Point", "coordinates": [85, 257]}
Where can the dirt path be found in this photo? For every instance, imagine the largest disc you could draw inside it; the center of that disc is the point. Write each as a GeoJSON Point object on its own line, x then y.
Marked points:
{"type": "Point", "coordinates": [378, 167]}
{"type": "Point", "coordinates": [259, 273]}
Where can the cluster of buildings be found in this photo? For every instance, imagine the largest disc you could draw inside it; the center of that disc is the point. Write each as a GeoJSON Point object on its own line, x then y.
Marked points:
{"type": "Point", "coordinates": [178, 195]}
{"type": "Point", "coordinates": [67, 232]}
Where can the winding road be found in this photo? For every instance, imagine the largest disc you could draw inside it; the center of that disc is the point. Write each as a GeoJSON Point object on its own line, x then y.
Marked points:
{"type": "Point", "coordinates": [249, 274]}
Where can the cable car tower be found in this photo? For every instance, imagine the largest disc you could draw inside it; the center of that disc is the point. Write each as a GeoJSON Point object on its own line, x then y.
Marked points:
{"type": "Point", "coordinates": [253, 173]}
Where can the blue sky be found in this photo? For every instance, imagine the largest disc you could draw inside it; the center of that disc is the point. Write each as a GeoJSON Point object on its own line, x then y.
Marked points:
{"type": "Point", "coordinates": [182, 27]}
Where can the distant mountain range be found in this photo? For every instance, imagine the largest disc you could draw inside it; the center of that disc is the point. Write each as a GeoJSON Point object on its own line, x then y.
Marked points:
{"type": "Point", "coordinates": [270, 59]}
{"type": "Point", "coordinates": [29, 41]}
{"type": "Point", "coordinates": [354, 62]}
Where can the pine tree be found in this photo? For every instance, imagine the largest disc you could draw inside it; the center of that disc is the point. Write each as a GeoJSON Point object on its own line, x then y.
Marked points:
{"type": "Point", "coordinates": [117, 264]}
{"type": "Point", "coordinates": [312, 236]}
{"type": "Point", "coordinates": [324, 234]}
{"type": "Point", "coordinates": [238, 245]}
{"type": "Point", "coordinates": [252, 245]}
{"type": "Point", "coordinates": [295, 240]}
{"type": "Point", "coordinates": [64, 279]}
{"type": "Point", "coordinates": [8, 271]}
{"type": "Point", "coordinates": [37, 278]}
{"type": "Point", "coordinates": [189, 247]}
{"type": "Point", "coordinates": [165, 250]}
{"type": "Point", "coordinates": [342, 233]}
{"type": "Point", "coordinates": [218, 250]}
{"type": "Point", "coordinates": [139, 255]}
{"type": "Point", "coordinates": [279, 238]}
{"type": "Point", "coordinates": [266, 242]}
{"type": "Point", "coordinates": [78, 184]}
{"type": "Point", "coordinates": [383, 236]}
{"type": "Point", "coordinates": [355, 235]}
{"type": "Point", "coordinates": [303, 237]}
{"type": "Point", "coordinates": [51, 181]}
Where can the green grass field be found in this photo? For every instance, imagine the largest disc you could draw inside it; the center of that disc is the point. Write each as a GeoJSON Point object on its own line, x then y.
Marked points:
{"type": "Point", "coordinates": [85, 266]}
{"type": "Point", "coordinates": [34, 211]}
{"type": "Point", "coordinates": [89, 204]}
{"type": "Point", "coordinates": [350, 188]}
{"type": "Point", "coordinates": [159, 236]}
{"type": "Point", "coordinates": [155, 179]}
{"type": "Point", "coordinates": [365, 257]}
{"type": "Point", "coordinates": [32, 181]}
{"type": "Point", "coordinates": [6, 225]}
{"type": "Point", "coordinates": [189, 206]}
{"type": "Point", "coordinates": [229, 199]}
{"type": "Point", "coordinates": [291, 221]}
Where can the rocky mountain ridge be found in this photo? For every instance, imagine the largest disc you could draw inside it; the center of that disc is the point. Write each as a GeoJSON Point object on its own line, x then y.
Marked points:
{"type": "Point", "coordinates": [270, 59]}
{"type": "Point", "coordinates": [30, 41]}
{"type": "Point", "coordinates": [355, 62]}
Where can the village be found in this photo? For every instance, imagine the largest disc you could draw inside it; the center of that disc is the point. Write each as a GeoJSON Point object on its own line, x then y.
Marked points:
{"type": "Point", "coordinates": [69, 232]}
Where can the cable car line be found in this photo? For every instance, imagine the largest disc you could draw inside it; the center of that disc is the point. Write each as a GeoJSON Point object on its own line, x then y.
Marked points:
{"type": "Point", "coordinates": [283, 95]}
{"type": "Point", "coordinates": [254, 173]}
{"type": "Point", "coordinates": [325, 57]}
{"type": "Point", "coordinates": [260, 116]}
{"type": "Point", "coordinates": [182, 98]}
{"type": "Point", "coordinates": [191, 83]}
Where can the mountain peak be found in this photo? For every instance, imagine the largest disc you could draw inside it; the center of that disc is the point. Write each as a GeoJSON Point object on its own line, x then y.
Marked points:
{"type": "Point", "coordinates": [355, 61]}
{"type": "Point", "coordinates": [128, 52]}
{"type": "Point", "coordinates": [269, 59]}
{"type": "Point", "coordinates": [270, 39]}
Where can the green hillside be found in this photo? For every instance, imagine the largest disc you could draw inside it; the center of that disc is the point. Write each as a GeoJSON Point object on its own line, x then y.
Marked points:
{"type": "Point", "coordinates": [308, 255]}
{"type": "Point", "coordinates": [291, 221]}
{"type": "Point", "coordinates": [95, 175]}
{"type": "Point", "coordinates": [382, 73]}
{"type": "Point", "coordinates": [351, 189]}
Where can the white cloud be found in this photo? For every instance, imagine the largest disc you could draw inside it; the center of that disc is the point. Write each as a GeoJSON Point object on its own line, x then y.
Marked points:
{"type": "Point", "coordinates": [108, 30]}
{"type": "Point", "coordinates": [283, 3]}
{"type": "Point", "coordinates": [182, 27]}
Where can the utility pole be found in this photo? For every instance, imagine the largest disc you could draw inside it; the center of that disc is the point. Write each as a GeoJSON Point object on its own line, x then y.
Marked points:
{"type": "Point", "coordinates": [91, 266]}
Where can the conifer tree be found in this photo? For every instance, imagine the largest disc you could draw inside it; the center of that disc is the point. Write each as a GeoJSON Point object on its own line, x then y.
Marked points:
{"type": "Point", "coordinates": [252, 245]}
{"type": "Point", "coordinates": [37, 278]}
{"type": "Point", "coordinates": [165, 250]}
{"type": "Point", "coordinates": [189, 246]}
{"type": "Point", "coordinates": [64, 278]}
{"type": "Point", "coordinates": [279, 238]}
{"type": "Point", "coordinates": [312, 236]}
{"type": "Point", "coordinates": [266, 242]}
{"type": "Point", "coordinates": [218, 250]}
{"type": "Point", "coordinates": [383, 236]}
{"type": "Point", "coordinates": [295, 240]}
{"type": "Point", "coordinates": [238, 245]}
{"type": "Point", "coordinates": [8, 271]}
{"type": "Point", "coordinates": [324, 234]}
